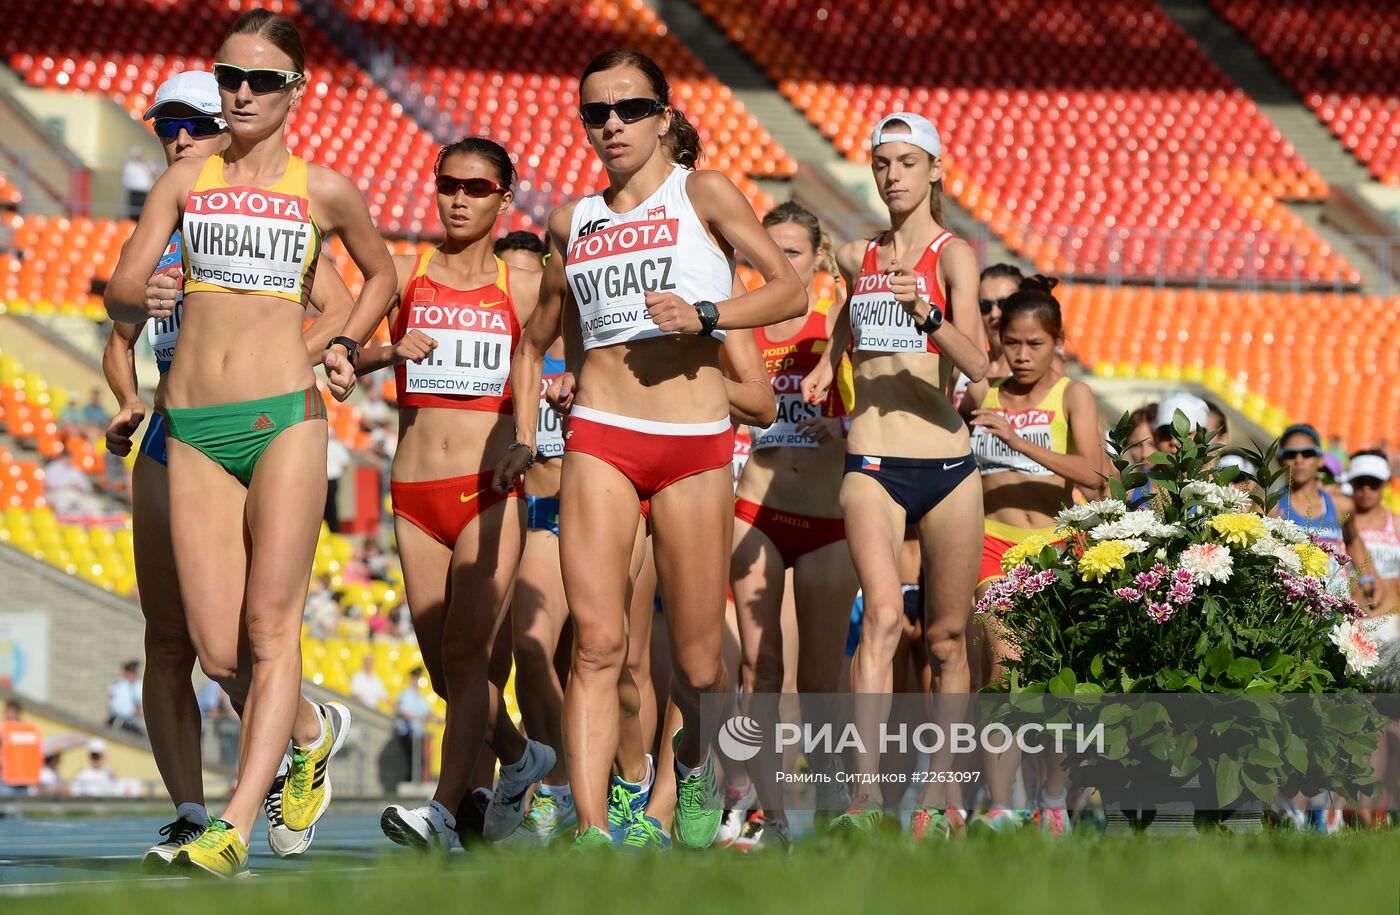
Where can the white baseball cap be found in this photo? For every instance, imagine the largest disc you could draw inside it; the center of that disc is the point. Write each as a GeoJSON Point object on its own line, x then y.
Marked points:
{"type": "Point", "coordinates": [195, 88]}
{"type": "Point", "coordinates": [909, 128]}
{"type": "Point", "coordinates": [1189, 405]}
{"type": "Point", "coordinates": [1240, 461]}
{"type": "Point", "coordinates": [1369, 465]}
{"type": "Point", "coordinates": [97, 745]}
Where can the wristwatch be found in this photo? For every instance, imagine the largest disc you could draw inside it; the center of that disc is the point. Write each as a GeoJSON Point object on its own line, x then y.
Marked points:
{"type": "Point", "coordinates": [352, 349]}
{"type": "Point", "coordinates": [932, 322]}
{"type": "Point", "coordinates": [709, 317]}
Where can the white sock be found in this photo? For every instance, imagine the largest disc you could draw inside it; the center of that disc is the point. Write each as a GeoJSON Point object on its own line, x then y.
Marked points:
{"type": "Point", "coordinates": [195, 813]}
{"type": "Point", "coordinates": [650, 779]}
{"type": "Point", "coordinates": [285, 765]}
{"type": "Point", "coordinates": [1054, 800]}
{"type": "Point", "coordinates": [686, 772]}
{"type": "Point", "coordinates": [561, 793]}
{"type": "Point", "coordinates": [447, 817]}
{"type": "Point", "coordinates": [321, 738]}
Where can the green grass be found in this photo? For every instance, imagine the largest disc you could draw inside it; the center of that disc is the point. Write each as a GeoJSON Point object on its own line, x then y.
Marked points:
{"type": "Point", "coordinates": [1277, 872]}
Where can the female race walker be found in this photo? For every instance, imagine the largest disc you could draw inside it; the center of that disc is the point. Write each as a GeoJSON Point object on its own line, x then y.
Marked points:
{"type": "Point", "coordinates": [1035, 434]}
{"type": "Point", "coordinates": [913, 318]}
{"type": "Point", "coordinates": [245, 422]}
{"type": "Point", "coordinates": [788, 516]}
{"type": "Point", "coordinates": [1368, 474]}
{"type": "Point", "coordinates": [649, 265]}
{"type": "Point", "coordinates": [998, 282]}
{"type": "Point", "coordinates": [186, 113]}
{"type": "Point", "coordinates": [454, 323]}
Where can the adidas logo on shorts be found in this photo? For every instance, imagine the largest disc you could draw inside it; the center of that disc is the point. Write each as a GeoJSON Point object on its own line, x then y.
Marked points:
{"type": "Point", "coordinates": [263, 423]}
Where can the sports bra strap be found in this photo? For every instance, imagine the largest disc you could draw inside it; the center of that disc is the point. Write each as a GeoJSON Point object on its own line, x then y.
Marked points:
{"type": "Point", "coordinates": [422, 267]}
{"type": "Point", "coordinates": [940, 241]}
{"type": "Point", "coordinates": [502, 276]}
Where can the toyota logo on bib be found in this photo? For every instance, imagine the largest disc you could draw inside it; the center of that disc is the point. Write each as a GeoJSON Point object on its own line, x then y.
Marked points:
{"type": "Point", "coordinates": [740, 738]}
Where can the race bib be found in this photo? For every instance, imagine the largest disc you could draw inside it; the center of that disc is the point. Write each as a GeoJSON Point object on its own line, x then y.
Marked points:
{"type": "Point", "coordinates": [610, 272]}
{"type": "Point", "coordinates": [879, 324]}
{"type": "Point", "coordinates": [549, 427]}
{"type": "Point", "coordinates": [161, 332]}
{"type": "Point", "coordinates": [792, 409]}
{"type": "Point", "coordinates": [472, 358]}
{"type": "Point", "coordinates": [247, 238]}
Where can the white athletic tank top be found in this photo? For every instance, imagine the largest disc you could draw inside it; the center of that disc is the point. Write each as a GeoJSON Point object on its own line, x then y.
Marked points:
{"type": "Point", "coordinates": [614, 259]}
{"type": "Point", "coordinates": [1383, 543]}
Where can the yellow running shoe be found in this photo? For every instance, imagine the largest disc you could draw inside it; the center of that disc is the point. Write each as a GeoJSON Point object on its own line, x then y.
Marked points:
{"type": "Point", "coordinates": [307, 791]}
{"type": "Point", "coordinates": [218, 852]}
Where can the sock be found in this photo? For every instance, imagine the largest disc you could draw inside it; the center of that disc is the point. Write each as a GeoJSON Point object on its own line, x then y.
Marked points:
{"type": "Point", "coordinates": [561, 793]}
{"type": "Point", "coordinates": [650, 780]}
{"type": "Point", "coordinates": [285, 766]}
{"type": "Point", "coordinates": [686, 772]}
{"type": "Point", "coordinates": [446, 814]}
{"type": "Point", "coordinates": [517, 768]}
{"type": "Point", "coordinates": [321, 738]}
{"type": "Point", "coordinates": [195, 813]}
{"type": "Point", "coordinates": [1054, 800]}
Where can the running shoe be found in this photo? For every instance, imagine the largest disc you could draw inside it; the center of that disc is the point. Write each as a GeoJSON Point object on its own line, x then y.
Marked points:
{"type": "Point", "coordinates": [218, 852]}
{"type": "Point", "coordinates": [1322, 817]}
{"type": "Point", "coordinates": [764, 834]}
{"type": "Point", "coordinates": [306, 793]}
{"type": "Point", "coordinates": [507, 807]}
{"type": "Point", "coordinates": [831, 798]}
{"type": "Point", "coordinates": [431, 826]}
{"type": "Point", "coordinates": [697, 803]}
{"type": "Point", "coordinates": [1054, 822]}
{"type": "Point", "coordinates": [646, 834]}
{"type": "Point", "coordinates": [998, 819]}
{"type": "Point", "coordinates": [176, 833]}
{"type": "Point", "coordinates": [591, 840]}
{"type": "Point", "coordinates": [628, 800]}
{"type": "Point", "coordinates": [738, 802]}
{"type": "Point", "coordinates": [284, 841]}
{"type": "Point", "coordinates": [864, 816]}
{"type": "Point", "coordinates": [549, 816]}
{"type": "Point", "coordinates": [748, 836]}
{"type": "Point", "coordinates": [471, 816]}
{"type": "Point", "coordinates": [928, 823]}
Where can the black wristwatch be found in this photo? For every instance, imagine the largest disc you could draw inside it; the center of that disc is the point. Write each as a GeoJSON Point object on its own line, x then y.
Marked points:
{"type": "Point", "coordinates": [932, 322]}
{"type": "Point", "coordinates": [352, 349]}
{"type": "Point", "coordinates": [709, 317]}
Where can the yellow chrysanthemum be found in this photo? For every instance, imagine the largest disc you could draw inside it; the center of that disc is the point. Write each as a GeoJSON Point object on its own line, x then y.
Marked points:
{"type": "Point", "coordinates": [1314, 560]}
{"type": "Point", "coordinates": [1240, 529]}
{"type": "Point", "coordinates": [1102, 558]}
{"type": "Point", "coordinates": [1026, 549]}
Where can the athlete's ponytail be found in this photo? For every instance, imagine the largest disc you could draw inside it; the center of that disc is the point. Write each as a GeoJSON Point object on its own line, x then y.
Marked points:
{"type": "Point", "coordinates": [681, 141]}
{"type": "Point", "coordinates": [1035, 297]}
{"type": "Point", "coordinates": [794, 212]}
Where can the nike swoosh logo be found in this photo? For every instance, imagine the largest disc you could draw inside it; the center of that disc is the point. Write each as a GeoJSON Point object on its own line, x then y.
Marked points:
{"type": "Point", "coordinates": [492, 304]}
{"type": "Point", "coordinates": [947, 466]}
{"type": "Point", "coordinates": [467, 498]}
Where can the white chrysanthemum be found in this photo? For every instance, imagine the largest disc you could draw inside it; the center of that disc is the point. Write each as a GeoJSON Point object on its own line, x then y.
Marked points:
{"type": "Point", "coordinates": [1207, 562]}
{"type": "Point", "coordinates": [1083, 517]}
{"type": "Point", "coordinates": [1286, 531]}
{"type": "Point", "coordinates": [1221, 498]}
{"type": "Point", "coordinates": [1280, 552]}
{"type": "Point", "coordinates": [1137, 544]}
{"type": "Point", "coordinates": [1141, 524]}
{"type": "Point", "coordinates": [1358, 647]}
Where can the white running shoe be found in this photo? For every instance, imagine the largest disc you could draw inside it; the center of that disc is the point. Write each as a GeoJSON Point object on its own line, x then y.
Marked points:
{"type": "Point", "coordinates": [737, 802]}
{"type": "Point", "coordinates": [549, 816]}
{"type": "Point", "coordinates": [284, 842]}
{"type": "Point", "coordinates": [427, 827]}
{"type": "Point", "coordinates": [177, 832]}
{"type": "Point", "coordinates": [507, 808]}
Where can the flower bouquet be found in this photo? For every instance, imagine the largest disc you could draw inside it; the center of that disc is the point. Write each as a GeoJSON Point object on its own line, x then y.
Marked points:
{"type": "Point", "coordinates": [1180, 583]}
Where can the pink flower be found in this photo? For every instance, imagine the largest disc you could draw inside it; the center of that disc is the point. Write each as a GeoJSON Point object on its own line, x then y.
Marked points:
{"type": "Point", "coordinates": [1181, 593]}
{"type": "Point", "coordinates": [1182, 577]}
{"type": "Point", "coordinates": [1020, 573]}
{"type": "Point", "coordinates": [1148, 581]}
{"type": "Point", "coordinates": [1128, 593]}
{"type": "Point", "coordinates": [1159, 613]}
{"type": "Point", "coordinates": [1160, 569]}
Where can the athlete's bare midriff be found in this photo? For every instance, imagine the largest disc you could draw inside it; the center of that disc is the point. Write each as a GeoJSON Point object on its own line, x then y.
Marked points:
{"type": "Point", "coordinates": [543, 478]}
{"type": "Point", "coordinates": [441, 444]}
{"type": "Point", "coordinates": [805, 481]}
{"type": "Point", "coordinates": [1025, 501]}
{"type": "Point", "coordinates": [671, 379]}
{"type": "Point", "coordinates": [236, 347]}
{"type": "Point", "coordinates": [901, 409]}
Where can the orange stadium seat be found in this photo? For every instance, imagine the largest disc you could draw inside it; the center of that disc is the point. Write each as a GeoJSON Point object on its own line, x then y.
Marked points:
{"type": "Point", "coordinates": [1093, 136]}
{"type": "Point", "coordinates": [1343, 59]}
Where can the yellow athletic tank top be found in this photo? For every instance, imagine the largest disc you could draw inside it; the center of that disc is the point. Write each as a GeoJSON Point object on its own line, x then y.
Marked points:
{"type": "Point", "coordinates": [1045, 425]}
{"type": "Point", "coordinates": [250, 240]}
{"type": "Point", "coordinates": [845, 376]}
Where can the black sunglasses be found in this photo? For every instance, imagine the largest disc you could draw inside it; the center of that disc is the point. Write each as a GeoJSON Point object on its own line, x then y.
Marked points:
{"type": "Point", "coordinates": [629, 111]}
{"type": "Point", "coordinates": [988, 304]}
{"type": "Point", "coordinates": [198, 127]}
{"type": "Point", "coordinates": [1292, 454]}
{"type": "Point", "coordinates": [448, 186]}
{"type": "Point", "coordinates": [1367, 483]}
{"type": "Point", "coordinates": [231, 78]}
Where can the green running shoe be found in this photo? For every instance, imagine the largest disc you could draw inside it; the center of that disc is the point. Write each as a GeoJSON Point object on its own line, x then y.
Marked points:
{"type": "Point", "coordinates": [591, 840]}
{"type": "Point", "coordinates": [864, 816]}
{"type": "Point", "coordinates": [646, 834]}
{"type": "Point", "coordinates": [698, 810]}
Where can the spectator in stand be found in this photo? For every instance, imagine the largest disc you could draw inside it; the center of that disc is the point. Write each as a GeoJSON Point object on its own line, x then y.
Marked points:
{"type": "Point", "coordinates": [338, 460]}
{"type": "Point", "coordinates": [138, 177]}
{"type": "Point", "coordinates": [71, 418]}
{"type": "Point", "coordinates": [376, 563]}
{"type": "Point", "coordinates": [374, 409]}
{"type": "Point", "coordinates": [96, 779]}
{"type": "Point", "coordinates": [70, 491]}
{"type": "Point", "coordinates": [367, 687]}
{"type": "Point", "coordinates": [412, 713]}
{"type": "Point", "coordinates": [50, 783]}
{"type": "Point", "coordinates": [322, 613]}
{"type": "Point", "coordinates": [95, 414]}
{"type": "Point", "coordinates": [218, 714]}
{"type": "Point", "coordinates": [124, 700]}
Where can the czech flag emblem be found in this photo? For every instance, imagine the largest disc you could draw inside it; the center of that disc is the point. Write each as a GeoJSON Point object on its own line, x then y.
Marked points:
{"type": "Point", "coordinates": [870, 463]}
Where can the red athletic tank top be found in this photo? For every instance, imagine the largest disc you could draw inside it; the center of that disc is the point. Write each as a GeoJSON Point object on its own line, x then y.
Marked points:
{"type": "Point", "coordinates": [789, 361]}
{"type": "Point", "coordinates": [879, 324]}
{"type": "Point", "coordinates": [476, 332]}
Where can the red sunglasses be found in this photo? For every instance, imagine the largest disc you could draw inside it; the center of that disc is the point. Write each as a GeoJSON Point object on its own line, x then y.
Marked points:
{"type": "Point", "coordinates": [448, 186]}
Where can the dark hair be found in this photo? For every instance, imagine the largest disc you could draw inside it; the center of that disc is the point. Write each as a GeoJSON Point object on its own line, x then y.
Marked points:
{"type": "Point", "coordinates": [1371, 452]}
{"type": "Point", "coordinates": [794, 212]}
{"type": "Point", "coordinates": [682, 140]}
{"type": "Point", "coordinates": [1219, 414]}
{"type": "Point", "coordinates": [1034, 297]}
{"type": "Point", "coordinates": [520, 240]}
{"type": "Point", "coordinates": [489, 150]}
{"type": "Point", "coordinates": [1147, 413]}
{"type": "Point", "coordinates": [276, 29]}
{"type": "Point", "coordinates": [1001, 271]}
{"type": "Point", "coordinates": [935, 194]}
